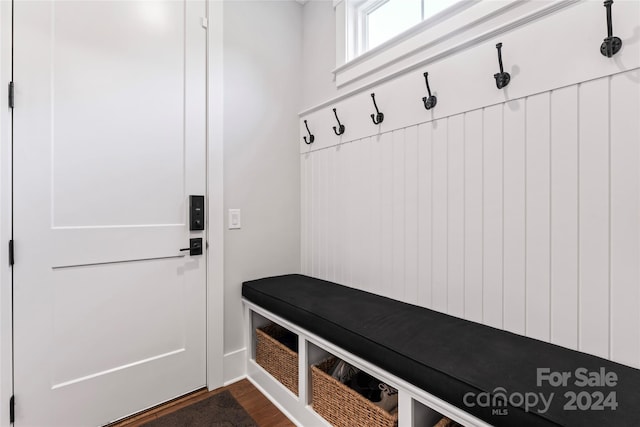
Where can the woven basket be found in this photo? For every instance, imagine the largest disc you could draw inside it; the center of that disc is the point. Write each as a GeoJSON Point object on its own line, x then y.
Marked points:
{"type": "Point", "coordinates": [276, 358]}
{"type": "Point", "coordinates": [342, 406]}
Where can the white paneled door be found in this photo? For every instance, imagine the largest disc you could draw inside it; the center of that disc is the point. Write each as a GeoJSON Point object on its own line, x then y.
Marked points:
{"type": "Point", "coordinates": [109, 142]}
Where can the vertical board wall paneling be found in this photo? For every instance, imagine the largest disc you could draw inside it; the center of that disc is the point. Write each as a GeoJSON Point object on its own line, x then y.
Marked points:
{"type": "Point", "coordinates": [323, 212]}
{"type": "Point", "coordinates": [345, 216]}
{"type": "Point", "coordinates": [372, 185]}
{"type": "Point", "coordinates": [425, 191]}
{"type": "Point", "coordinates": [338, 226]}
{"type": "Point", "coordinates": [321, 206]}
{"type": "Point", "coordinates": [351, 211]}
{"type": "Point", "coordinates": [455, 246]}
{"type": "Point", "coordinates": [375, 262]}
{"type": "Point", "coordinates": [332, 239]}
{"type": "Point", "coordinates": [440, 219]}
{"type": "Point", "coordinates": [305, 244]}
{"type": "Point", "coordinates": [317, 216]}
{"type": "Point", "coordinates": [492, 214]}
{"type": "Point", "coordinates": [594, 217]}
{"type": "Point", "coordinates": [564, 217]}
{"type": "Point", "coordinates": [411, 216]}
{"type": "Point", "coordinates": [348, 214]}
{"type": "Point", "coordinates": [398, 219]}
{"type": "Point", "coordinates": [473, 215]}
{"type": "Point", "coordinates": [625, 225]}
{"type": "Point", "coordinates": [386, 214]}
{"type": "Point", "coordinates": [362, 208]}
{"type": "Point", "coordinates": [522, 215]}
{"type": "Point", "coordinates": [537, 217]}
{"type": "Point", "coordinates": [313, 222]}
{"type": "Point", "coordinates": [514, 227]}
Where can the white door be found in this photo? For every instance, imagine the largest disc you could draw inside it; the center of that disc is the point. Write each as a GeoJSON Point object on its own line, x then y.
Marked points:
{"type": "Point", "coordinates": [109, 142]}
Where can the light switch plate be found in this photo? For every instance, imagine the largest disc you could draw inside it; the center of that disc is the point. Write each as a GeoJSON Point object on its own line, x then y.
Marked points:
{"type": "Point", "coordinates": [234, 219]}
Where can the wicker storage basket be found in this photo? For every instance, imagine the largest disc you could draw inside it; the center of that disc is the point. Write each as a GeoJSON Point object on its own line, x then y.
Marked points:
{"type": "Point", "coordinates": [342, 406]}
{"type": "Point", "coordinates": [276, 358]}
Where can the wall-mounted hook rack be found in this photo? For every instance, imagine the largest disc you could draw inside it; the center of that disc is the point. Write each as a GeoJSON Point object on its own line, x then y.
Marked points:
{"type": "Point", "coordinates": [311, 137]}
{"type": "Point", "coordinates": [430, 101]}
{"type": "Point", "coordinates": [340, 129]}
{"type": "Point", "coordinates": [502, 78]}
{"type": "Point", "coordinates": [611, 45]}
{"type": "Point", "coordinates": [378, 117]}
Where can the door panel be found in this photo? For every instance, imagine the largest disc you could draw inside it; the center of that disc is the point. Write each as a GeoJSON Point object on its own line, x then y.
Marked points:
{"type": "Point", "coordinates": [133, 79]}
{"type": "Point", "coordinates": [109, 141]}
{"type": "Point", "coordinates": [107, 296]}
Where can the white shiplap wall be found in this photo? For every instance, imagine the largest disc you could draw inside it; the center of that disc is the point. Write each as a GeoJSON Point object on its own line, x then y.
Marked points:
{"type": "Point", "coordinates": [523, 215]}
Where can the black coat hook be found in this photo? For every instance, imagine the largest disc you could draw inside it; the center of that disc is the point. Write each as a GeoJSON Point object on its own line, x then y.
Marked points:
{"type": "Point", "coordinates": [431, 101]}
{"type": "Point", "coordinates": [502, 78]}
{"type": "Point", "coordinates": [311, 137]}
{"type": "Point", "coordinates": [340, 129]}
{"type": "Point", "coordinates": [611, 45]}
{"type": "Point", "coordinates": [378, 117]}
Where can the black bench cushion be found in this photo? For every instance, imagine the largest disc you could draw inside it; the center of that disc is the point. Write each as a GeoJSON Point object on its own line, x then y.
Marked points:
{"type": "Point", "coordinates": [444, 355]}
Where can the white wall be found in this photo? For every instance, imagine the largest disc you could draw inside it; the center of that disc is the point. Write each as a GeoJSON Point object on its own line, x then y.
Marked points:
{"type": "Point", "coordinates": [262, 85]}
{"type": "Point", "coordinates": [515, 208]}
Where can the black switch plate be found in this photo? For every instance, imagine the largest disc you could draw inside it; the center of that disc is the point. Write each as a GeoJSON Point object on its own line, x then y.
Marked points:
{"type": "Point", "coordinates": [196, 212]}
{"type": "Point", "coordinates": [195, 246]}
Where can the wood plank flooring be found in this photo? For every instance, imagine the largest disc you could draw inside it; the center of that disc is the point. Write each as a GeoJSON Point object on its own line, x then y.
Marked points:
{"type": "Point", "coordinates": [255, 403]}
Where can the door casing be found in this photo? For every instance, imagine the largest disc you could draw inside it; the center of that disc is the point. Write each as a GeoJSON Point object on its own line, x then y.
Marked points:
{"type": "Point", "coordinates": [6, 312]}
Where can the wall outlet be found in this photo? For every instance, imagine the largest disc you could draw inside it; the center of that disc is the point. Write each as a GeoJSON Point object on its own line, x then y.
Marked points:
{"type": "Point", "coordinates": [234, 219]}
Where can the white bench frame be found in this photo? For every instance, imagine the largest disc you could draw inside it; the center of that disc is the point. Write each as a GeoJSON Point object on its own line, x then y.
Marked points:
{"type": "Point", "coordinates": [416, 407]}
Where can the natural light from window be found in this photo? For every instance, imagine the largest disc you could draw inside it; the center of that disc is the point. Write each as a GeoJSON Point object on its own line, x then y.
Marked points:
{"type": "Point", "coordinates": [373, 22]}
{"type": "Point", "coordinates": [392, 18]}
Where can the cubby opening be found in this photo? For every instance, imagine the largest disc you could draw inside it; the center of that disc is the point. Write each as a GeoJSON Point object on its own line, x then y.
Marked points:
{"type": "Point", "coordinates": [276, 350]}
{"type": "Point", "coordinates": [424, 416]}
{"type": "Point", "coordinates": [315, 355]}
{"type": "Point", "coordinates": [257, 321]}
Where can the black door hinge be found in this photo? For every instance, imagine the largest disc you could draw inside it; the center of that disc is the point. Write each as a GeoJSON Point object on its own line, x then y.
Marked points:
{"type": "Point", "coordinates": [12, 410]}
{"type": "Point", "coordinates": [11, 255]}
{"type": "Point", "coordinates": [11, 95]}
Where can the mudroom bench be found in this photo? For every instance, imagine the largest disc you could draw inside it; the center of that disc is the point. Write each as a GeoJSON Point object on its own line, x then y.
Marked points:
{"type": "Point", "coordinates": [441, 365]}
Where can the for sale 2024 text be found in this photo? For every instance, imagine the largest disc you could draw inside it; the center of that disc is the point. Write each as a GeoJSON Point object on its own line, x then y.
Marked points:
{"type": "Point", "coordinates": [582, 400]}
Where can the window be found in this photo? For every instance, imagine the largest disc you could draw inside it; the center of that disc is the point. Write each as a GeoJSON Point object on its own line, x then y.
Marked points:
{"type": "Point", "coordinates": [373, 22]}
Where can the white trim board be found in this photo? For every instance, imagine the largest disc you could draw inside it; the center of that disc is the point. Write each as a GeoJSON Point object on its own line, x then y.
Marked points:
{"type": "Point", "coordinates": [215, 193]}
{"type": "Point", "coordinates": [235, 367]}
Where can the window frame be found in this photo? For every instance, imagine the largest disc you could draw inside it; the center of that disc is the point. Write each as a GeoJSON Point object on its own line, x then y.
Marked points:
{"type": "Point", "coordinates": [357, 24]}
{"type": "Point", "coordinates": [459, 26]}
{"type": "Point", "coordinates": [463, 25]}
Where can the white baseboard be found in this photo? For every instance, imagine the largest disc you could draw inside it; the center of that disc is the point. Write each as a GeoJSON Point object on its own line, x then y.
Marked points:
{"type": "Point", "coordinates": [235, 367]}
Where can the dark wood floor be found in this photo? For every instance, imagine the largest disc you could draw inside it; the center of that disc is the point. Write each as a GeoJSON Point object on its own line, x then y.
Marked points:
{"type": "Point", "coordinates": [254, 402]}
